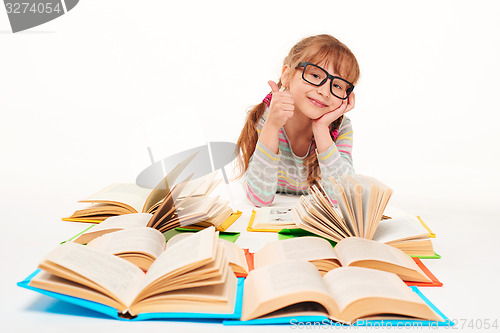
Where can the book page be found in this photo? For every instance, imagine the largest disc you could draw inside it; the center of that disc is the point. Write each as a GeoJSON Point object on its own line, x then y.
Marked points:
{"type": "Point", "coordinates": [356, 194]}
{"type": "Point", "coordinates": [194, 205]}
{"type": "Point", "coordinates": [301, 248]}
{"type": "Point", "coordinates": [116, 275]}
{"type": "Point", "coordinates": [319, 195]}
{"type": "Point", "coordinates": [124, 221]}
{"type": "Point", "coordinates": [114, 223]}
{"type": "Point", "coordinates": [319, 221]}
{"type": "Point", "coordinates": [50, 282]}
{"type": "Point", "coordinates": [177, 238]}
{"type": "Point", "coordinates": [213, 186]}
{"type": "Point", "coordinates": [384, 194]}
{"type": "Point", "coordinates": [331, 210]}
{"type": "Point", "coordinates": [276, 286]}
{"type": "Point", "coordinates": [197, 249]}
{"type": "Point", "coordinates": [305, 221]}
{"type": "Point", "coordinates": [166, 210]}
{"type": "Point", "coordinates": [218, 207]}
{"type": "Point", "coordinates": [273, 218]}
{"type": "Point", "coordinates": [344, 204]}
{"type": "Point", "coordinates": [358, 251]}
{"type": "Point", "coordinates": [143, 240]}
{"type": "Point", "coordinates": [199, 186]}
{"type": "Point", "coordinates": [101, 209]}
{"type": "Point", "coordinates": [370, 196]}
{"type": "Point", "coordinates": [163, 188]}
{"type": "Point", "coordinates": [128, 195]}
{"type": "Point", "coordinates": [391, 211]}
{"type": "Point", "coordinates": [399, 228]}
{"type": "Point", "coordinates": [212, 272]}
{"type": "Point", "coordinates": [219, 298]}
{"type": "Point", "coordinates": [197, 212]}
{"type": "Point", "coordinates": [415, 247]}
{"type": "Point", "coordinates": [212, 292]}
{"type": "Point", "coordinates": [348, 285]}
{"type": "Point", "coordinates": [297, 310]}
{"type": "Point", "coordinates": [235, 254]}
{"type": "Point", "coordinates": [218, 215]}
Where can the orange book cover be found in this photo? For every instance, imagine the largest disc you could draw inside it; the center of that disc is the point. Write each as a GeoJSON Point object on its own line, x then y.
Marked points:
{"type": "Point", "coordinates": [249, 258]}
{"type": "Point", "coordinates": [435, 282]}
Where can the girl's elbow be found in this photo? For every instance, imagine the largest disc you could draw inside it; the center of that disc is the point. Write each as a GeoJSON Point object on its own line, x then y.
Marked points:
{"type": "Point", "coordinates": [260, 202]}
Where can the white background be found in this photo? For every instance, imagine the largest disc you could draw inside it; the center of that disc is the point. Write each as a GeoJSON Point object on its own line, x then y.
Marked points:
{"type": "Point", "coordinates": [83, 96]}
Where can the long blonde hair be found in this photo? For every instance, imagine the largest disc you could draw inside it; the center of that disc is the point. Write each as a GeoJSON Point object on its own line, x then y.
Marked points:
{"type": "Point", "coordinates": [314, 49]}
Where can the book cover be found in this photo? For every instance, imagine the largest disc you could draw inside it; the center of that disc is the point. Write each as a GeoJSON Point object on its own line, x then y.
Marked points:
{"type": "Point", "coordinates": [325, 322]}
{"type": "Point", "coordinates": [252, 229]}
{"type": "Point", "coordinates": [249, 257]}
{"type": "Point", "coordinates": [435, 282]}
{"type": "Point", "coordinates": [112, 312]}
{"type": "Point", "coordinates": [431, 234]}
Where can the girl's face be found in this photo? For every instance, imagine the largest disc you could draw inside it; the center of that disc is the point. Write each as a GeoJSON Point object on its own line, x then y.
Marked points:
{"type": "Point", "coordinates": [311, 101]}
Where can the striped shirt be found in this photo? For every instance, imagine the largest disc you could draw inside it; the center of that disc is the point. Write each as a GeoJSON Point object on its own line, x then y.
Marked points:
{"type": "Point", "coordinates": [269, 173]}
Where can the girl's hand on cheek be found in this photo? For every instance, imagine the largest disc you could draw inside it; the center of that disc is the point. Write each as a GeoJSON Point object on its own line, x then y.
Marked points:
{"type": "Point", "coordinates": [325, 120]}
{"type": "Point", "coordinates": [281, 107]}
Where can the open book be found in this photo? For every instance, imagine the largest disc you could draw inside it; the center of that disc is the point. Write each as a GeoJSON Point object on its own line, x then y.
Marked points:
{"type": "Point", "coordinates": [112, 224]}
{"type": "Point", "coordinates": [185, 204]}
{"type": "Point", "coordinates": [169, 195]}
{"type": "Point", "coordinates": [136, 220]}
{"type": "Point", "coordinates": [235, 255]}
{"type": "Point", "coordinates": [271, 219]}
{"type": "Point", "coordinates": [190, 276]}
{"type": "Point", "coordinates": [361, 202]}
{"type": "Point", "coordinates": [352, 251]}
{"type": "Point", "coordinates": [141, 246]}
{"type": "Point", "coordinates": [128, 237]}
{"type": "Point", "coordinates": [406, 233]}
{"type": "Point", "coordinates": [346, 294]}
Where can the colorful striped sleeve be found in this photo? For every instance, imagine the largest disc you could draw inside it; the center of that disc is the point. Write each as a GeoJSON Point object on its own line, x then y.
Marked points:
{"type": "Point", "coordinates": [261, 177]}
{"type": "Point", "coordinates": [336, 161]}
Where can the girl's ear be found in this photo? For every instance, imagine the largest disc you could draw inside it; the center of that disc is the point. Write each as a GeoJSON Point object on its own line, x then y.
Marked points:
{"type": "Point", "coordinates": [285, 76]}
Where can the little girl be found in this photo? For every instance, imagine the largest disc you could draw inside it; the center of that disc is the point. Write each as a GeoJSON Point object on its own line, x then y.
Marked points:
{"type": "Point", "coordinates": [299, 134]}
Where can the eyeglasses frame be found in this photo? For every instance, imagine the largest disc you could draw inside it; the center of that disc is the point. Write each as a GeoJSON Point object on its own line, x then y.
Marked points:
{"type": "Point", "coordinates": [304, 64]}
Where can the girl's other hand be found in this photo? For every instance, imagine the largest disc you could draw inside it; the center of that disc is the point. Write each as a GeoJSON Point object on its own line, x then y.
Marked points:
{"type": "Point", "coordinates": [281, 107]}
{"type": "Point", "coordinates": [328, 118]}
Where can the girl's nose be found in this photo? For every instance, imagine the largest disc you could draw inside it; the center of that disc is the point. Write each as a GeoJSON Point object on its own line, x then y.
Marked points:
{"type": "Point", "coordinates": [324, 89]}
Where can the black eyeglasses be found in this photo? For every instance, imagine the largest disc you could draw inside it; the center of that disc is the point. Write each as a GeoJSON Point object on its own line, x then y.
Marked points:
{"type": "Point", "coordinates": [317, 76]}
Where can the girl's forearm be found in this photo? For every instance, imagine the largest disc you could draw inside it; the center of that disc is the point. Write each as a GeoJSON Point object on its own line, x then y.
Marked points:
{"type": "Point", "coordinates": [323, 139]}
{"type": "Point", "coordinates": [269, 137]}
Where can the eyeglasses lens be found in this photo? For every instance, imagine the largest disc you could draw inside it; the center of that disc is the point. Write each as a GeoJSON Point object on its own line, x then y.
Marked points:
{"type": "Point", "coordinates": [317, 76]}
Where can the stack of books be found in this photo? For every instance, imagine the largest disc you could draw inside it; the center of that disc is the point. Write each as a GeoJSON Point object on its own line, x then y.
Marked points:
{"type": "Point", "coordinates": [128, 269]}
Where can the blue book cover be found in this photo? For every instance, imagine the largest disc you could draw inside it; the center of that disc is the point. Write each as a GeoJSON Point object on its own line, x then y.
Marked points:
{"type": "Point", "coordinates": [113, 313]}
{"type": "Point", "coordinates": [324, 321]}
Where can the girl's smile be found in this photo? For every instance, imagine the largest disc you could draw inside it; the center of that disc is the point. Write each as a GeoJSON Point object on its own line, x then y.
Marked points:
{"type": "Point", "coordinates": [317, 103]}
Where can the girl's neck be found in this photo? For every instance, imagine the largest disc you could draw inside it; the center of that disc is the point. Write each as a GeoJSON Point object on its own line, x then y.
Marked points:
{"type": "Point", "coordinates": [299, 125]}
{"type": "Point", "coordinates": [299, 129]}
